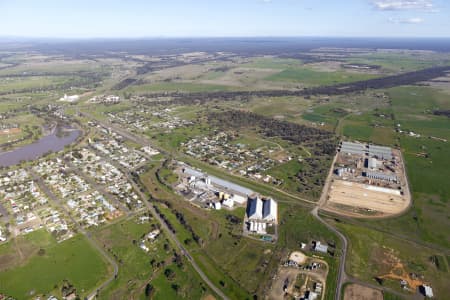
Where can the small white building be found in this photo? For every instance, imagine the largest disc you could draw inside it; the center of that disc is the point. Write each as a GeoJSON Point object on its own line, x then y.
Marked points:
{"type": "Point", "coordinates": [427, 291]}
{"type": "Point", "coordinates": [228, 202]}
{"type": "Point", "coordinates": [321, 248]}
{"type": "Point", "coordinates": [72, 98]}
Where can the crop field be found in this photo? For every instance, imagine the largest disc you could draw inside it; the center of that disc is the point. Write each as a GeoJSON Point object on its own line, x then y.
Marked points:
{"type": "Point", "coordinates": [312, 77]}
{"type": "Point", "coordinates": [48, 263]}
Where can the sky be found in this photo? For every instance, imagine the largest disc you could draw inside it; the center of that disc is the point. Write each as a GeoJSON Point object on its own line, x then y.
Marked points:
{"type": "Point", "coordinates": [224, 18]}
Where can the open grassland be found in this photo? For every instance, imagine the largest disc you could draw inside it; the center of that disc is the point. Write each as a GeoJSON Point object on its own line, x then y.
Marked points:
{"type": "Point", "coordinates": [51, 263]}
{"type": "Point", "coordinates": [269, 62]}
{"type": "Point", "coordinates": [185, 284]}
{"type": "Point", "coordinates": [176, 87]}
{"type": "Point", "coordinates": [121, 240]}
{"type": "Point", "coordinates": [52, 67]}
{"type": "Point", "coordinates": [401, 62]}
{"type": "Point", "coordinates": [374, 254]}
{"type": "Point", "coordinates": [12, 85]}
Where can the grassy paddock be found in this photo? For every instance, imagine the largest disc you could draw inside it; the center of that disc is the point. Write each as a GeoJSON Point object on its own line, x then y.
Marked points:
{"type": "Point", "coordinates": [43, 272]}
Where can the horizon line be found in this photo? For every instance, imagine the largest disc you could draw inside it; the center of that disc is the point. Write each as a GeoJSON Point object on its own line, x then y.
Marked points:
{"type": "Point", "coordinates": [162, 37]}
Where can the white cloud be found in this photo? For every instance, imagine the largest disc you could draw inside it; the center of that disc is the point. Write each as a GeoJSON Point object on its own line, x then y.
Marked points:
{"type": "Point", "coordinates": [407, 21]}
{"type": "Point", "coordinates": [424, 5]}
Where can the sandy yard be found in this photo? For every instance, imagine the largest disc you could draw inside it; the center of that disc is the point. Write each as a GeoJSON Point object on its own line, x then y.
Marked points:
{"type": "Point", "coordinates": [366, 197]}
{"type": "Point", "coordinates": [298, 257]}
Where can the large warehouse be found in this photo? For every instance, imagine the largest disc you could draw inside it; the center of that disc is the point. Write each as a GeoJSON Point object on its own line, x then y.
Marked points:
{"type": "Point", "coordinates": [380, 152]}
{"type": "Point", "coordinates": [260, 213]}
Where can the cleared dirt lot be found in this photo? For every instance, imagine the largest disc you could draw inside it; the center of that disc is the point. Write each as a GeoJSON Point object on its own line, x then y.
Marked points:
{"type": "Point", "coordinates": [365, 197]}
{"type": "Point", "coordinates": [359, 292]}
{"type": "Point", "coordinates": [284, 274]}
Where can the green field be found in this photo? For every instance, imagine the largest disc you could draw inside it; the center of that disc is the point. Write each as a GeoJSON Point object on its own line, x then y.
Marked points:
{"type": "Point", "coordinates": [176, 87]}
{"type": "Point", "coordinates": [395, 62]}
{"type": "Point", "coordinates": [43, 272]}
{"type": "Point", "coordinates": [311, 77]}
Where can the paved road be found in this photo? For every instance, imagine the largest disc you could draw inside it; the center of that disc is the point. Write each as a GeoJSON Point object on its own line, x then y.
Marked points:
{"type": "Point", "coordinates": [342, 276]}
{"type": "Point", "coordinates": [88, 236]}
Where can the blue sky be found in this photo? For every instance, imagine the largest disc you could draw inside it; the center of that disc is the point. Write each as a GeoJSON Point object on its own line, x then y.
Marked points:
{"type": "Point", "coordinates": [201, 18]}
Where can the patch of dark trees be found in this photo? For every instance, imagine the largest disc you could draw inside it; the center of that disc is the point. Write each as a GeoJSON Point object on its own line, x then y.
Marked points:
{"type": "Point", "coordinates": [408, 78]}
{"type": "Point", "coordinates": [124, 83]}
{"type": "Point", "coordinates": [442, 113]}
{"type": "Point", "coordinates": [324, 141]}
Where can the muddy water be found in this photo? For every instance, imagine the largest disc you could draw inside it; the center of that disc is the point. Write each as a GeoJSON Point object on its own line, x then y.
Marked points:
{"type": "Point", "coordinates": [52, 142]}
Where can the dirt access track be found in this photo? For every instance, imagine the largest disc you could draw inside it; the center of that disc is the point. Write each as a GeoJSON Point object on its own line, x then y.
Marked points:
{"type": "Point", "coordinates": [366, 197]}
{"type": "Point", "coordinates": [359, 292]}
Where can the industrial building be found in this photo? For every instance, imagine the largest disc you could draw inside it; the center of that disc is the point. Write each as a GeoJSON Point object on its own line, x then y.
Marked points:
{"type": "Point", "coordinates": [380, 176]}
{"type": "Point", "coordinates": [261, 213]}
{"type": "Point", "coordinates": [209, 179]}
{"type": "Point", "coordinates": [353, 148]}
{"type": "Point", "coordinates": [380, 152]}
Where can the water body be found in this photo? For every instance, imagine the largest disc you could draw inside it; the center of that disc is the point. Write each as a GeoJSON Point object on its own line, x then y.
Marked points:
{"type": "Point", "coordinates": [51, 142]}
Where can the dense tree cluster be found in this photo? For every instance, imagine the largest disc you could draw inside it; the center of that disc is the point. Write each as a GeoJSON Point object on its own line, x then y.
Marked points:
{"type": "Point", "coordinates": [442, 113]}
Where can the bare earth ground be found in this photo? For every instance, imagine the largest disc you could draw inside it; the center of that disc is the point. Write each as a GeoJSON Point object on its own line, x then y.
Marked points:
{"type": "Point", "coordinates": [358, 195]}
{"type": "Point", "coordinates": [277, 292]}
{"type": "Point", "coordinates": [359, 292]}
{"type": "Point", "coordinates": [10, 131]}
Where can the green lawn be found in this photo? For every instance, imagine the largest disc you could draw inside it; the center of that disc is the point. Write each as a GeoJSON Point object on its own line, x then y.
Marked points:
{"type": "Point", "coordinates": [74, 260]}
